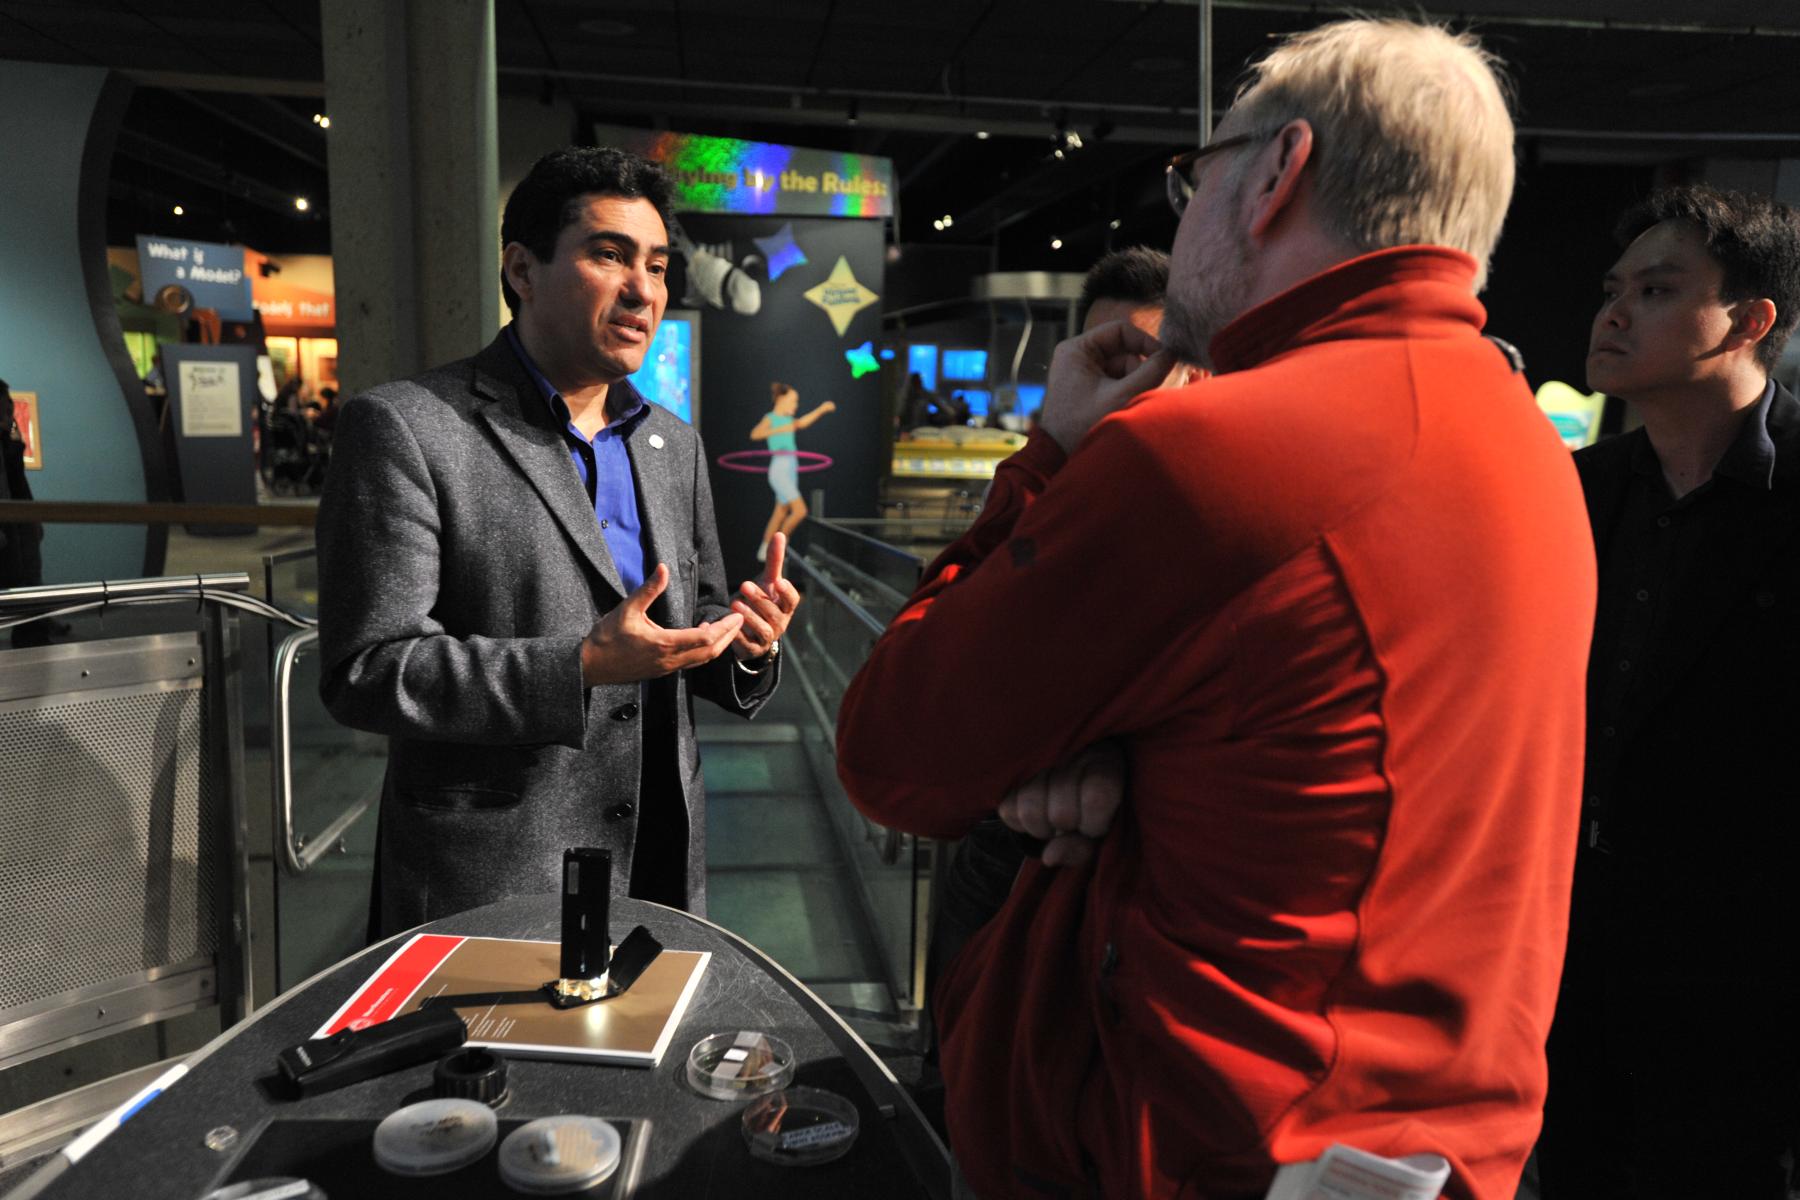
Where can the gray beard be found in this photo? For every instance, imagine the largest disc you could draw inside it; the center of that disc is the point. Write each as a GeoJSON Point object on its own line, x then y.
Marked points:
{"type": "Point", "coordinates": [1191, 320]}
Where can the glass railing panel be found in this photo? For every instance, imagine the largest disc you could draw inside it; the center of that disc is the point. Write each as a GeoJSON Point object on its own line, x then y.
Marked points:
{"type": "Point", "coordinates": [854, 587]}
{"type": "Point", "coordinates": [325, 785]}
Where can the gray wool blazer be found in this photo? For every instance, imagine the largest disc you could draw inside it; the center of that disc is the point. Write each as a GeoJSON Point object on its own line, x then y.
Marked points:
{"type": "Point", "coordinates": [460, 566]}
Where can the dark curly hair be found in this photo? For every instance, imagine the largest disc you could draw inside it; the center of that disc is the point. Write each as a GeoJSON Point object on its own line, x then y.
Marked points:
{"type": "Point", "coordinates": [1138, 276]}
{"type": "Point", "coordinates": [1755, 240]}
{"type": "Point", "coordinates": [549, 197]}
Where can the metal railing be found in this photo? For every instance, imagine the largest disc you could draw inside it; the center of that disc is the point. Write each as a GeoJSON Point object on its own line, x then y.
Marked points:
{"type": "Point", "coordinates": [144, 735]}
{"type": "Point", "coordinates": [299, 851]}
{"type": "Point", "coordinates": [856, 584]}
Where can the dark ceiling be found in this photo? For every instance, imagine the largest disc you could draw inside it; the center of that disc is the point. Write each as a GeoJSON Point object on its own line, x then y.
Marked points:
{"type": "Point", "coordinates": [222, 121]}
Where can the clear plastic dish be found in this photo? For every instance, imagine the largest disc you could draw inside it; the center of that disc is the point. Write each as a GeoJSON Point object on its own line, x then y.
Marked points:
{"type": "Point", "coordinates": [739, 1064]}
{"type": "Point", "coordinates": [800, 1127]}
{"type": "Point", "coordinates": [435, 1137]}
{"type": "Point", "coordinates": [559, 1155]}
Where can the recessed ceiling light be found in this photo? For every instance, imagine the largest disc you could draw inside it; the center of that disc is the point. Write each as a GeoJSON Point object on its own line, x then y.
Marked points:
{"type": "Point", "coordinates": [606, 27]}
{"type": "Point", "coordinates": [1056, 243]}
{"type": "Point", "coordinates": [302, 203]}
{"type": "Point", "coordinates": [178, 210]}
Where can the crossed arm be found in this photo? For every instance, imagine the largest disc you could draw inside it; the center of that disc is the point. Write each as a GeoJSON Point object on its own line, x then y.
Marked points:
{"type": "Point", "coordinates": [1048, 557]}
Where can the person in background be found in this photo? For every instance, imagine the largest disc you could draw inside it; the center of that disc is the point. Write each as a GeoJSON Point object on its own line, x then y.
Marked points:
{"type": "Point", "coordinates": [1302, 650]}
{"type": "Point", "coordinates": [777, 428]}
{"type": "Point", "coordinates": [1675, 1058]}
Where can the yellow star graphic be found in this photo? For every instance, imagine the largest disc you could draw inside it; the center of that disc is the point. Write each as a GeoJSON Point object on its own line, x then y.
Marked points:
{"type": "Point", "coordinates": [841, 296]}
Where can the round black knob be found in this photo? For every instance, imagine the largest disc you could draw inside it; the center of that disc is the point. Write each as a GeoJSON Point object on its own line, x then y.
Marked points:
{"type": "Point", "coordinates": [470, 1074]}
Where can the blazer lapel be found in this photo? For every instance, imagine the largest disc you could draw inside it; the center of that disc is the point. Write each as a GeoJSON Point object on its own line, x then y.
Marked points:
{"type": "Point", "coordinates": [525, 428]}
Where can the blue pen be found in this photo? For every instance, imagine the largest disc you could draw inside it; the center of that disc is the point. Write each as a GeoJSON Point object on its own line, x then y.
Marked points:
{"type": "Point", "coordinates": [76, 1150]}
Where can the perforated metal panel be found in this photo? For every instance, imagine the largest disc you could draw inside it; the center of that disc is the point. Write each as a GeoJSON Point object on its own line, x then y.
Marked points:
{"type": "Point", "coordinates": [113, 841]}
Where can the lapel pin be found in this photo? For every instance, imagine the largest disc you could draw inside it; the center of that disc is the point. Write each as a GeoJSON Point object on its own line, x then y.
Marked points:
{"type": "Point", "coordinates": [656, 441]}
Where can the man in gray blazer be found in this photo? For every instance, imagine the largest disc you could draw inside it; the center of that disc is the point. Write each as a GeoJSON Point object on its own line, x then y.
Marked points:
{"type": "Point", "coordinates": [520, 577]}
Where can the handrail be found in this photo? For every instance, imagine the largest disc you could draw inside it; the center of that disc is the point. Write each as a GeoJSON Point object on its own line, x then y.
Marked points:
{"type": "Point", "coordinates": [56, 594]}
{"type": "Point", "coordinates": [879, 545]}
{"type": "Point", "coordinates": [297, 856]}
{"type": "Point", "coordinates": [837, 593]}
{"type": "Point", "coordinates": [860, 577]}
{"type": "Point", "coordinates": [851, 524]}
{"type": "Point", "coordinates": [95, 512]}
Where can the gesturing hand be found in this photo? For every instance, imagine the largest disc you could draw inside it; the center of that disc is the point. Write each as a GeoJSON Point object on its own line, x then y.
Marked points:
{"type": "Point", "coordinates": [766, 607]}
{"type": "Point", "coordinates": [625, 645]}
{"type": "Point", "coordinates": [1099, 373]}
{"type": "Point", "coordinates": [1070, 806]}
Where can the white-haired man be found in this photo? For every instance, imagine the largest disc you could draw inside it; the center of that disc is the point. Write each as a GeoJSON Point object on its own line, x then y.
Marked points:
{"type": "Point", "coordinates": [1312, 636]}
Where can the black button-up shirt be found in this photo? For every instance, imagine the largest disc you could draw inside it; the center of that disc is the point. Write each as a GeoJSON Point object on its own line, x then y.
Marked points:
{"type": "Point", "coordinates": [1646, 566]}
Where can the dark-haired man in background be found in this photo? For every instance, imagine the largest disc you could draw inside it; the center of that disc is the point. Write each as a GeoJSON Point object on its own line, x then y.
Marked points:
{"type": "Point", "coordinates": [521, 582]}
{"type": "Point", "coordinates": [1675, 1057]}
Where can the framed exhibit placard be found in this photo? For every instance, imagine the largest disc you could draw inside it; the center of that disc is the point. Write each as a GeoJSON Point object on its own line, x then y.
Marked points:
{"type": "Point", "coordinates": [212, 395]}
{"type": "Point", "coordinates": [25, 416]}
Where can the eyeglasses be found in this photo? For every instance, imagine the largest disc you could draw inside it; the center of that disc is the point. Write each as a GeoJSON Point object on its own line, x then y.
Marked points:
{"type": "Point", "coordinates": [1178, 176]}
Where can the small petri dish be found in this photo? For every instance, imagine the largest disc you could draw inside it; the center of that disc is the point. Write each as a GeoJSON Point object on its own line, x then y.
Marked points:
{"type": "Point", "coordinates": [800, 1127]}
{"type": "Point", "coordinates": [435, 1137]}
{"type": "Point", "coordinates": [740, 1064]}
{"type": "Point", "coordinates": [555, 1156]}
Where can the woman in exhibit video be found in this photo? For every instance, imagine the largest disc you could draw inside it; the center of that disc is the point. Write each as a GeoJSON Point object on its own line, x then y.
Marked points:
{"type": "Point", "coordinates": [778, 428]}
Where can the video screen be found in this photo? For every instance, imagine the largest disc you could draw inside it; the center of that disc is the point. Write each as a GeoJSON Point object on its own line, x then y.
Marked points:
{"type": "Point", "coordinates": [965, 364]}
{"type": "Point", "coordinates": [921, 360]}
{"type": "Point", "coordinates": [1031, 398]}
{"type": "Point", "coordinates": [670, 375]}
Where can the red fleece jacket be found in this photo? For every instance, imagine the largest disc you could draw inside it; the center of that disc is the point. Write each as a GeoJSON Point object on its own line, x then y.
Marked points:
{"type": "Point", "coordinates": [1335, 602]}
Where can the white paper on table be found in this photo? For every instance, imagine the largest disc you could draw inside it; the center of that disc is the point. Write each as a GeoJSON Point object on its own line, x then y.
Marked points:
{"type": "Point", "coordinates": [1343, 1173]}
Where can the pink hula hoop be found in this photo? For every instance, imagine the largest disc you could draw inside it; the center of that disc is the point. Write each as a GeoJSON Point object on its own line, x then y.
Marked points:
{"type": "Point", "coordinates": [755, 462]}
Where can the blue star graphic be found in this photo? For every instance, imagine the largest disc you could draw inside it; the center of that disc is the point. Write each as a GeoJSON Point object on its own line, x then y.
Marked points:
{"type": "Point", "coordinates": [780, 250]}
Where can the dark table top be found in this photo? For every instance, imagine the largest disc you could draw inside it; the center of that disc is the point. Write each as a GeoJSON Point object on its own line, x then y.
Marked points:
{"type": "Point", "coordinates": [694, 1146]}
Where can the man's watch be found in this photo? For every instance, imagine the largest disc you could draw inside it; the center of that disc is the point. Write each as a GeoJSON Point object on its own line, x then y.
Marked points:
{"type": "Point", "coordinates": [763, 661]}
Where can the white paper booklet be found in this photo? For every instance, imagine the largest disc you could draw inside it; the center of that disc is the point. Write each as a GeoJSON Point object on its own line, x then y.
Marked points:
{"type": "Point", "coordinates": [1342, 1173]}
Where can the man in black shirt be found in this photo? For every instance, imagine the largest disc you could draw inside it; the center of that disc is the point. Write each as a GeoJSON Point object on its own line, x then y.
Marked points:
{"type": "Point", "coordinates": [1675, 1057]}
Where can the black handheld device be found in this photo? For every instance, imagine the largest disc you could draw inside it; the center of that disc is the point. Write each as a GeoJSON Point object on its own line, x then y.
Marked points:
{"type": "Point", "coordinates": [352, 1055]}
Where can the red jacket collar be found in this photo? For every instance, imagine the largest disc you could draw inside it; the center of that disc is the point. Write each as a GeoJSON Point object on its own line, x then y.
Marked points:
{"type": "Point", "coordinates": [1406, 291]}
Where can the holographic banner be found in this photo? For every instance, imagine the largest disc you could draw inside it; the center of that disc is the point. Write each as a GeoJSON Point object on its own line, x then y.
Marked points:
{"type": "Point", "coordinates": [730, 175]}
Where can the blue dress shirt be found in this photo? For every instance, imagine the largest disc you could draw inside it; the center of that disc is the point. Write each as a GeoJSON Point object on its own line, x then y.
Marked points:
{"type": "Point", "coordinates": [604, 466]}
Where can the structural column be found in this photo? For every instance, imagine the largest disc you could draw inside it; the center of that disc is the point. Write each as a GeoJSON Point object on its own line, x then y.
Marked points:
{"type": "Point", "coordinates": [409, 87]}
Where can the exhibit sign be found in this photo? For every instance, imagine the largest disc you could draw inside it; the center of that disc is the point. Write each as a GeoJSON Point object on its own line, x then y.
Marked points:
{"type": "Point", "coordinates": [731, 175]}
{"type": "Point", "coordinates": [212, 391]}
{"type": "Point", "coordinates": [25, 416]}
{"type": "Point", "coordinates": [212, 274]}
{"type": "Point", "coordinates": [211, 400]}
{"type": "Point", "coordinates": [289, 310]}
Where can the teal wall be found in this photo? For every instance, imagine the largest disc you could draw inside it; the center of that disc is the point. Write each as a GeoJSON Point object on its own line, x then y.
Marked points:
{"type": "Point", "coordinates": [51, 340]}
